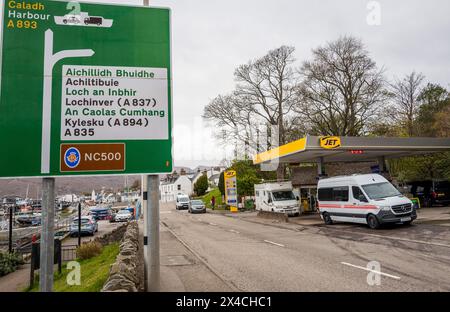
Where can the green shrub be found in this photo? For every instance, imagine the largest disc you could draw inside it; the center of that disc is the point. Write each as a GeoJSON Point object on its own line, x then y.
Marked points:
{"type": "Point", "coordinates": [9, 262]}
{"type": "Point", "coordinates": [89, 250]}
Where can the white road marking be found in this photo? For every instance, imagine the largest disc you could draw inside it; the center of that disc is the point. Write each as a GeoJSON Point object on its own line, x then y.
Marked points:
{"type": "Point", "coordinates": [276, 244]}
{"type": "Point", "coordinates": [165, 212]}
{"type": "Point", "coordinates": [366, 269]}
{"type": "Point", "coordinates": [399, 239]}
{"type": "Point", "coordinates": [213, 224]}
{"type": "Point", "coordinates": [233, 231]}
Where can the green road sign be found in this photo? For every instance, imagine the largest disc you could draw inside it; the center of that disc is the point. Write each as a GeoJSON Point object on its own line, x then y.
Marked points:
{"type": "Point", "coordinates": [85, 89]}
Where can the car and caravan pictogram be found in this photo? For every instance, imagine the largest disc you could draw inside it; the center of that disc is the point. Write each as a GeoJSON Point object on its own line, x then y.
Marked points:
{"type": "Point", "coordinates": [83, 19]}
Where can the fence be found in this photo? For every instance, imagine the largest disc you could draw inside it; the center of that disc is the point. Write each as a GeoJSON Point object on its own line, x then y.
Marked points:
{"type": "Point", "coordinates": [68, 252]}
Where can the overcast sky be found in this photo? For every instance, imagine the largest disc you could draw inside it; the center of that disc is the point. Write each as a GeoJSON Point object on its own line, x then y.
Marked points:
{"type": "Point", "coordinates": [211, 38]}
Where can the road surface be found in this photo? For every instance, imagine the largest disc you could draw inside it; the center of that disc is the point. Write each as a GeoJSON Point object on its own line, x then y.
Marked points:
{"type": "Point", "coordinates": [256, 257]}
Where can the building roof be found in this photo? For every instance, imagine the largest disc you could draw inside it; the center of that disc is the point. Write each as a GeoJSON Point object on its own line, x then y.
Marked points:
{"type": "Point", "coordinates": [352, 149]}
{"type": "Point", "coordinates": [215, 176]}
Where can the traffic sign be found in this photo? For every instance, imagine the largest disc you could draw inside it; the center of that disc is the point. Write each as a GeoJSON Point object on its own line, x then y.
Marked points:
{"type": "Point", "coordinates": [85, 89]}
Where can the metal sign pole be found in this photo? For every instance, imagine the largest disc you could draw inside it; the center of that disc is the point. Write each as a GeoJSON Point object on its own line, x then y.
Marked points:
{"type": "Point", "coordinates": [47, 236]}
{"type": "Point", "coordinates": [150, 207]}
{"type": "Point", "coordinates": [153, 270]}
{"type": "Point", "coordinates": [79, 224]}
{"type": "Point", "coordinates": [11, 213]}
{"type": "Point", "coordinates": [145, 215]}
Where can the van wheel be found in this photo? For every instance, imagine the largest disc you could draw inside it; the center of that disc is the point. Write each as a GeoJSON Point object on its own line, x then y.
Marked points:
{"type": "Point", "coordinates": [373, 222]}
{"type": "Point", "coordinates": [327, 219]}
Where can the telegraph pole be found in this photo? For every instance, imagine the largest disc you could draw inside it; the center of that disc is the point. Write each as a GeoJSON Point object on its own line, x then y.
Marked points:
{"type": "Point", "coordinates": [47, 236]}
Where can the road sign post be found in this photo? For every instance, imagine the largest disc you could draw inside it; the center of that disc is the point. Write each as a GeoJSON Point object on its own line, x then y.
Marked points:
{"type": "Point", "coordinates": [47, 235]}
{"type": "Point", "coordinates": [153, 261]}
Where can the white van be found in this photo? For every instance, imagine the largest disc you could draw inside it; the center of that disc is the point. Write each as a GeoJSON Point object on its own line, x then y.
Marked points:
{"type": "Point", "coordinates": [367, 199]}
{"type": "Point", "coordinates": [182, 202]}
{"type": "Point", "coordinates": [276, 197]}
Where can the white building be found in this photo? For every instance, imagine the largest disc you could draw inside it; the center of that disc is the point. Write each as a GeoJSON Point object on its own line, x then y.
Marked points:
{"type": "Point", "coordinates": [175, 184]}
{"type": "Point", "coordinates": [172, 186]}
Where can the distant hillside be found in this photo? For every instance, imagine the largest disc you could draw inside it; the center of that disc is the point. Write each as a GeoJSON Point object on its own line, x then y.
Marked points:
{"type": "Point", "coordinates": [18, 187]}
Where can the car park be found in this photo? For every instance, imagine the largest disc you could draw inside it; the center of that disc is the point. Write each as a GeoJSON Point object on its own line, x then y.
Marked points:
{"type": "Point", "coordinates": [88, 226]}
{"type": "Point", "coordinates": [196, 206]}
{"type": "Point", "coordinates": [367, 199]}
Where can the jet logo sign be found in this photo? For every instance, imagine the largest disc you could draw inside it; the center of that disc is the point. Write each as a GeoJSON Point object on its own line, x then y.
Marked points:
{"type": "Point", "coordinates": [330, 142]}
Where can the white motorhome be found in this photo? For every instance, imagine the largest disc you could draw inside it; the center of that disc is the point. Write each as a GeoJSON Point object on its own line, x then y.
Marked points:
{"type": "Point", "coordinates": [367, 199]}
{"type": "Point", "coordinates": [276, 197]}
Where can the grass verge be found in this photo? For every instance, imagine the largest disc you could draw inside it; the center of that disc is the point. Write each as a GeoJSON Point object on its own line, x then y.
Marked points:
{"type": "Point", "coordinates": [94, 273]}
{"type": "Point", "coordinates": [207, 198]}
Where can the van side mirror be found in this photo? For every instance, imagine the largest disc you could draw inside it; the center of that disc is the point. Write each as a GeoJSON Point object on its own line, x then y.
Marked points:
{"type": "Point", "coordinates": [269, 200]}
{"type": "Point", "coordinates": [298, 198]}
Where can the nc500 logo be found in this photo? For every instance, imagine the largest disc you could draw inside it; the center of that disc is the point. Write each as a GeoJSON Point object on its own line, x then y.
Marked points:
{"type": "Point", "coordinates": [330, 142]}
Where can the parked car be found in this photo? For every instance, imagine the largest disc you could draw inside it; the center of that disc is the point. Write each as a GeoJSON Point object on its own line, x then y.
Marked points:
{"type": "Point", "coordinates": [88, 226]}
{"type": "Point", "coordinates": [431, 193]}
{"type": "Point", "coordinates": [123, 216]}
{"type": "Point", "coordinates": [182, 202]}
{"type": "Point", "coordinates": [101, 213]}
{"type": "Point", "coordinates": [367, 199]}
{"type": "Point", "coordinates": [197, 206]}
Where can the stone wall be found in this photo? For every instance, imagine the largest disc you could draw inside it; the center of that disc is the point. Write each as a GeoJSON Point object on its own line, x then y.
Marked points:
{"type": "Point", "coordinates": [125, 273]}
{"type": "Point", "coordinates": [115, 235]}
{"type": "Point", "coordinates": [307, 175]}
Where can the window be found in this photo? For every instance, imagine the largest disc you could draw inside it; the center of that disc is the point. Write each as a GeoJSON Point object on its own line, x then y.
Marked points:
{"type": "Point", "coordinates": [334, 194]}
{"type": "Point", "coordinates": [380, 190]}
{"type": "Point", "coordinates": [179, 187]}
{"type": "Point", "coordinates": [325, 194]}
{"type": "Point", "coordinates": [340, 193]}
{"type": "Point", "coordinates": [283, 195]}
{"type": "Point", "coordinates": [358, 194]}
{"type": "Point", "coordinates": [257, 193]}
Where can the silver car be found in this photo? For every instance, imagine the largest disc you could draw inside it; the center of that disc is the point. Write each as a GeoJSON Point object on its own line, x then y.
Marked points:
{"type": "Point", "coordinates": [197, 206]}
{"type": "Point", "coordinates": [123, 216]}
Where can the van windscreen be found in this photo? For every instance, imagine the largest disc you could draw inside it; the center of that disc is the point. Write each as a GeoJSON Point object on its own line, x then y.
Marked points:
{"type": "Point", "coordinates": [380, 190]}
{"type": "Point", "coordinates": [283, 195]}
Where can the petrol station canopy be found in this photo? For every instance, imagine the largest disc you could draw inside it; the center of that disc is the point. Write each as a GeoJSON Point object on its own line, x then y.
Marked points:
{"type": "Point", "coordinates": [351, 149]}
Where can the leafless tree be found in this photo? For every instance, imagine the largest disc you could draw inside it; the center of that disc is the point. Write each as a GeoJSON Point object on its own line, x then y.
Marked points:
{"type": "Point", "coordinates": [406, 101]}
{"type": "Point", "coordinates": [342, 90]}
{"type": "Point", "coordinates": [264, 95]}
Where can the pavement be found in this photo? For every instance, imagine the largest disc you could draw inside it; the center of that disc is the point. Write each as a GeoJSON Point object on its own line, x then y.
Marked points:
{"type": "Point", "coordinates": [247, 254]}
